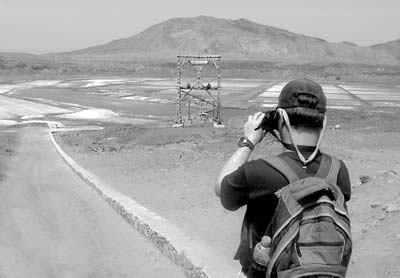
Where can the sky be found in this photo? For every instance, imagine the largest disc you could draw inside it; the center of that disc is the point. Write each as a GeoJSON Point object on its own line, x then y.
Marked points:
{"type": "Point", "coordinates": [44, 26]}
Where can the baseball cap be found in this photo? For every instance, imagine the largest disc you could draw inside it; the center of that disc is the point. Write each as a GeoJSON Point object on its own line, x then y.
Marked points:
{"type": "Point", "coordinates": [291, 95]}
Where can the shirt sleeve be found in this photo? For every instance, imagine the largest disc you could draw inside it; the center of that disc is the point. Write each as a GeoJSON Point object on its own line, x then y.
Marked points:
{"type": "Point", "coordinates": [252, 180]}
{"type": "Point", "coordinates": [234, 189]}
{"type": "Point", "coordinates": [344, 181]}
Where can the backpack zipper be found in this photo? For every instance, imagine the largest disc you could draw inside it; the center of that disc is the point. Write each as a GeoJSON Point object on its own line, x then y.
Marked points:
{"type": "Point", "coordinates": [320, 243]}
{"type": "Point", "coordinates": [311, 244]}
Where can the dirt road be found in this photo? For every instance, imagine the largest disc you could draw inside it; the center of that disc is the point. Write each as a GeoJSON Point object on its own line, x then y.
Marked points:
{"type": "Point", "coordinates": [53, 225]}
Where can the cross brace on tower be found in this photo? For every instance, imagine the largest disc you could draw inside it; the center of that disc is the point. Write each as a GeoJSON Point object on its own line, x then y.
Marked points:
{"type": "Point", "coordinates": [209, 102]}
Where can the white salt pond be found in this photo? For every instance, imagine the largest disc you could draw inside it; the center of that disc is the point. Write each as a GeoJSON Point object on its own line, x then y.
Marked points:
{"type": "Point", "coordinates": [8, 122]}
{"type": "Point", "coordinates": [91, 114]}
{"type": "Point", "coordinates": [147, 99]}
{"type": "Point", "coordinates": [343, 96]}
{"type": "Point", "coordinates": [102, 82]}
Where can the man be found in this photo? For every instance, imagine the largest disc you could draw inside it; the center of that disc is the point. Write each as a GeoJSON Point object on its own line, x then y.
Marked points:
{"type": "Point", "coordinates": [300, 121]}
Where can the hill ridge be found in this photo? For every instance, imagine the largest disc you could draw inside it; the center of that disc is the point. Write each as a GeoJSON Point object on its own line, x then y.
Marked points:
{"type": "Point", "coordinates": [236, 39]}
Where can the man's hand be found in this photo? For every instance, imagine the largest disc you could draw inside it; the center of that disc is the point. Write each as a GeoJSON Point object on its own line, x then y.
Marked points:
{"type": "Point", "coordinates": [255, 136]}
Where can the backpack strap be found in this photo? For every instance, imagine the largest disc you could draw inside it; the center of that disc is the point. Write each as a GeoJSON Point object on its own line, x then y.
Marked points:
{"type": "Point", "coordinates": [299, 170]}
{"type": "Point", "coordinates": [282, 167]}
{"type": "Point", "coordinates": [329, 169]}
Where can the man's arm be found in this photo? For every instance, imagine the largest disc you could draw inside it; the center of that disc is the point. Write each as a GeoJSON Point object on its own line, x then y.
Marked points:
{"type": "Point", "coordinates": [241, 155]}
{"type": "Point", "coordinates": [344, 181]}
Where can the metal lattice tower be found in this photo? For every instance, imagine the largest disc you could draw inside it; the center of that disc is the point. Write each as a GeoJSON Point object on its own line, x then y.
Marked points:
{"type": "Point", "coordinates": [206, 95]}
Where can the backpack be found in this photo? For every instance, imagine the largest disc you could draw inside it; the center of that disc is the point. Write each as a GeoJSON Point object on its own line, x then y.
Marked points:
{"type": "Point", "coordinates": [310, 229]}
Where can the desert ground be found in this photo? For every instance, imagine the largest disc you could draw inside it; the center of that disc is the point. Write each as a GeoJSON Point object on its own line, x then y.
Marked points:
{"type": "Point", "coordinates": [121, 130]}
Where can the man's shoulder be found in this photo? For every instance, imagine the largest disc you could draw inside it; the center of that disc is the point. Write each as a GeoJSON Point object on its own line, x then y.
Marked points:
{"type": "Point", "coordinates": [342, 163]}
{"type": "Point", "coordinates": [260, 164]}
{"type": "Point", "coordinates": [261, 172]}
{"type": "Point", "coordinates": [255, 163]}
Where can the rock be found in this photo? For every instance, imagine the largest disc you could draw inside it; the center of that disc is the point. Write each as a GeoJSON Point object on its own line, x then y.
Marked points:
{"type": "Point", "coordinates": [394, 172]}
{"type": "Point", "coordinates": [376, 205]}
{"type": "Point", "coordinates": [219, 125]}
{"type": "Point", "coordinates": [337, 127]}
{"type": "Point", "coordinates": [382, 216]}
{"type": "Point", "coordinates": [389, 174]}
{"type": "Point", "coordinates": [392, 206]}
{"type": "Point", "coordinates": [364, 179]}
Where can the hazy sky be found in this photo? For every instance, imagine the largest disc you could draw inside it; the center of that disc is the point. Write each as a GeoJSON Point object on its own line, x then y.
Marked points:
{"type": "Point", "coordinates": [42, 26]}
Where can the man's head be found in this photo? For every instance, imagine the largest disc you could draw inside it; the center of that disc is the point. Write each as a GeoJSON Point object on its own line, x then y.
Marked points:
{"type": "Point", "coordinates": [299, 117]}
{"type": "Point", "coordinates": [304, 102]}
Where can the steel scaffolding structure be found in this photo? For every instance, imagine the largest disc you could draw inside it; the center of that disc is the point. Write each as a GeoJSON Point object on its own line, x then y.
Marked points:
{"type": "Point", "coordinates": [188, 94]}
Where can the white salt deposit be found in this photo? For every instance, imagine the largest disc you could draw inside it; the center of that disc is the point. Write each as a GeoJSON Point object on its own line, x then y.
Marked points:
{"type": "Point", "coordinates": [8, 122]}
{"type": "Point", "coordinates": [381, 97]}
{"type": "Point", "coordinates": [27, 117]}
{"type": "Point", "coordinates": [27, 85]}
{"type": "Point", "coordinates": [42, 83]}
{"type": "Point", "coordinates": [328, 87]}
{"type": "Point", "coordinates": [385, 104]}
{"type": "Point", "coordinates": [102, 82]}
{"type": "Point", "coordinates": [147, 99]}
{"type": "Point", "coordinates": [269, 94]}
{"type": "Point", "coordinates": [275, 88]}
{"type": "Point", "coordinates": [333, 90]}
{"type": "Point", "coordinates": [337, 96]}
{"type": "Point", "coordinates": [341, 107]}
{"type": "Point", "coordinates": [91, 114]}
{"type": "Point", "coordinates": [7, 88]}
{"type": "Point", "coordinates": [268, 105]}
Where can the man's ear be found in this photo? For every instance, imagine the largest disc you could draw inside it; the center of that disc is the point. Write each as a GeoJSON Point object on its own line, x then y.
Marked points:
{"type": "Point", "coordinates": [281, 120]}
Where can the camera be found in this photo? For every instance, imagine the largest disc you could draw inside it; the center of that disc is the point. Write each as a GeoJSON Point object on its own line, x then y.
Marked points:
{"type": "Point", "coordinates": [270, 121]}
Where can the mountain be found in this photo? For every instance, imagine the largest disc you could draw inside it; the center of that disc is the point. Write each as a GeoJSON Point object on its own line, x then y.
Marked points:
{"type": "Point", "coordinates": [392, 47]}
{"type": "Point", "coordinates": [233, 39]}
